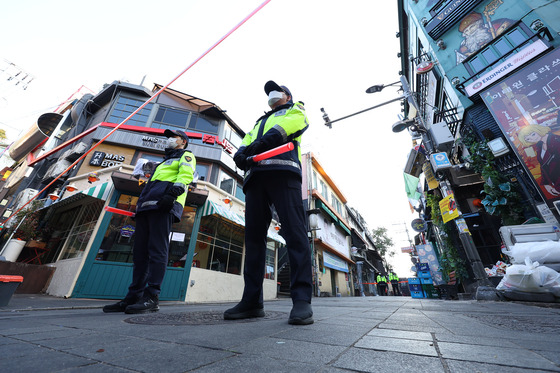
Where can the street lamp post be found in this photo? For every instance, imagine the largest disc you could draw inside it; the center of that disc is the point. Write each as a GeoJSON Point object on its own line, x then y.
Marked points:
{"type": "Point", "coordinates": [329, 122]}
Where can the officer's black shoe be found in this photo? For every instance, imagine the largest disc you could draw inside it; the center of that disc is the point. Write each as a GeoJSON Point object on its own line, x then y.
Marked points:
{"type": "Point", "coordinates": [148, 303]}
{"type": "Point", "coordinates": [120, 306]}
{"type": "Point", "coordinates": [244, 311]}
{"type": "Point", "coordinates": [301, 314]}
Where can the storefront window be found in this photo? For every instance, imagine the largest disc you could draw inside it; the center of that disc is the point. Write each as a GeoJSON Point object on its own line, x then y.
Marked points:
{"type": "Point", "coordinates": [72, 230]}
{"type": "Point", "coordinates": [269, 272]}
{"type": "Point", "coordinates": [226, 182]}
{"type": "Point", "coordinates": [202, 170]}
{"type": "Point", "coordinates": [219, 246]}
{"type": "Point", "coordinates": [126, 106]}
{"type": "Point", "coordinates": [118, 240]}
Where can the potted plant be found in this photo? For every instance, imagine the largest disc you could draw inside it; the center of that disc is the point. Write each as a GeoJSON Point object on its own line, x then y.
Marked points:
{"type": "Point", "coordinates": [23, 229]}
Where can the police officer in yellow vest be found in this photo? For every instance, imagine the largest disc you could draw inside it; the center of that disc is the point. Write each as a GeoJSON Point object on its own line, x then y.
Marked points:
{"type": "Point", "coordinates": [275, 182]}
{"type": "Point", "coordinates": [381, 284]}
{"type": "Point", "coordinates": [160, 204]}
{"type": "Point", "coordinates": [394, 279]}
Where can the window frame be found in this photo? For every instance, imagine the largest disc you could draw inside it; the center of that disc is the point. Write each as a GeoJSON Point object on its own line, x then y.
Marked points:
{"type": "Point", "coordinates": [491, 46]}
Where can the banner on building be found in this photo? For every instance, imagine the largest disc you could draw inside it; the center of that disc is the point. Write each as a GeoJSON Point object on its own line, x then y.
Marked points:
{"type": "Point", "coordinates": [430, 177]}
{"type": "Point", "coordinates": [334, 262]}
{"type": "Point", "coordinates": [426, 254]}
{"type": "Point", "coordinates": [526, 106]}
{"type": "Point", "coordinates": [448, 208]}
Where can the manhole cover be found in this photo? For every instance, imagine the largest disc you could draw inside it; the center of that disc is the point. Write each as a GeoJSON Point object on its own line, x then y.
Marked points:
{"type": "Point", "coordinates": [521, 323]}
{"type": "Point", "coordinates": [197, 318]}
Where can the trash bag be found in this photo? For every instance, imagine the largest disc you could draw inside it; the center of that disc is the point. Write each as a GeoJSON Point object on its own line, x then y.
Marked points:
{"type": "Point", "coordinates": [531, 277]}
{"type": "Point", "coordinates": [542, 252]}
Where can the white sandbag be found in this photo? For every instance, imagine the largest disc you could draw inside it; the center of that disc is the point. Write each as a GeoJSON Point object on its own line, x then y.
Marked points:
{"type": "Point", "coordinates": [530, 277]}
{"type": "Point", "coordinates": [542, 252]}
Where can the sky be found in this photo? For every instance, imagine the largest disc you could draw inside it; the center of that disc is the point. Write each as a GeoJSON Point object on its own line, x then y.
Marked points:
{"type": "Point", "coordinates": [327, 52]}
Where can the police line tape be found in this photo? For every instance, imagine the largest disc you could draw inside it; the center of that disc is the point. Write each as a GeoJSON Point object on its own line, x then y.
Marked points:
{"type": "Point", "coordinates": [142, 106]}
{"type": "Point", "coordinates": [375, 283]}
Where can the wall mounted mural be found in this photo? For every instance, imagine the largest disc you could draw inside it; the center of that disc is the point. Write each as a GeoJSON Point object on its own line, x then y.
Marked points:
{"type": "Point", "coordinates": [477, 29]}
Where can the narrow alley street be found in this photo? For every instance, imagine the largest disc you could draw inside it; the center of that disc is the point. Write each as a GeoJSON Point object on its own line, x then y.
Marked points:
{"type": "Point", "coordinates": [358, 334]}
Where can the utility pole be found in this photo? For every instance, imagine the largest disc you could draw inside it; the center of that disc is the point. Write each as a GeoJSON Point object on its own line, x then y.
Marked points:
{"type": "Point", "coordinates": [483, 286]}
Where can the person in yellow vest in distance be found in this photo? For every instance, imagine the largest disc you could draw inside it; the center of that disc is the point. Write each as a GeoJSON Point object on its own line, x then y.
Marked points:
{"type": "Point", "coordinates": [394, 279]}
{"type": "Point", "coordinates": [381, 284]}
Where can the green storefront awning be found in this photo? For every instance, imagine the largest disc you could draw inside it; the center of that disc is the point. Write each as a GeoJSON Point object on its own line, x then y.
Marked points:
{"type": "Point", "coordinates": [321, 205]}
{"type": "Point", "coordinates": [343, 226]}
{"type": "Point", "coordinates": [212, 208]}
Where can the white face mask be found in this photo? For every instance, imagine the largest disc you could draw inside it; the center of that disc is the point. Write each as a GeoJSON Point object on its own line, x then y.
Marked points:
{"type": "Point", "coordinates": [274, 97]}
{"type": "Point", "coordinates": [171, 143]}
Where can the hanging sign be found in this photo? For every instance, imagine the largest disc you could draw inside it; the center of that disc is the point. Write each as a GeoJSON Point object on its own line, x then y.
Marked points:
{"type": "Point", "coordinates": [419, 225]}
{"type": "Point", "coordinates": [448, 208]}
{"type": "Point", "coordinates": [424, 67]}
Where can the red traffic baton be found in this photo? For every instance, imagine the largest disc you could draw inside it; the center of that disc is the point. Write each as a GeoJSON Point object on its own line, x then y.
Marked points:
{"type": "Point", "coordinates": [272, 152]}
{"type": "Point", "coordinates": [119, 211]}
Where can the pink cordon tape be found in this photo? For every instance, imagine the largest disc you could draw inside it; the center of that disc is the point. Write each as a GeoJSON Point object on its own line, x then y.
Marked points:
{"type": "Point", "coordinates": [119, 211]}
{"type": "Point", "coordinates": [273, 152]}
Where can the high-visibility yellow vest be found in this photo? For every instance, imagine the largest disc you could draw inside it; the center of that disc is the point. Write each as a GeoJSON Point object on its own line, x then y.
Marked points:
{"type": "Point", "coordinates": [282, 125]}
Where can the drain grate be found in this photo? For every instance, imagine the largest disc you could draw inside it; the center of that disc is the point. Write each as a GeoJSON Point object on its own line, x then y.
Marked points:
{"type": "Point", "coordinates": [197, 318]}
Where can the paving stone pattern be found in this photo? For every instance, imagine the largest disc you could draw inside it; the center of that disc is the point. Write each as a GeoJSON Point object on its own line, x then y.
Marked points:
{"type": "Point", "coordinates": [350, 334]}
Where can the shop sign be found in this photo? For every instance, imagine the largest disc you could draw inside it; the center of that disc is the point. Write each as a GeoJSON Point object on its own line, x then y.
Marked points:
{"type": "Point", "coordinates": [329, 234]}
{"type": "Point", "coordinates": [526, 106]}
{"type": "Point", "coordinates": [462, 226]}
{"type": "Point", "coordinates": [408, 249]}
{"type": "Point", "coordinates": [430, 177]}
{"type": "Point", "coordinates": [448, 208]}
{"type": "Point", "coordinates": [102, 159]}
{"type": "Point", "coordinates": [334, 262]}
{"type": "Point", "coordinates": [440, 161]}
{"type": "Point", "coordinates": [526, 54]}
{"type": "Point", "coordinates": [419, 225]}
{"type": "Point", "coordinates": [154, 142]}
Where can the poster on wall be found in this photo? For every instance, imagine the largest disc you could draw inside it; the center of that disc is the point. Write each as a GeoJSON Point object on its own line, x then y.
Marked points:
{"type": "Point", "coordinates": [480, 27]}
{"type": "Point", "coordinates": [448, 208]}
{"type": "Point", "coordinates": [426, 254]}
{"type": "Point", "coordinates": [526, 107]}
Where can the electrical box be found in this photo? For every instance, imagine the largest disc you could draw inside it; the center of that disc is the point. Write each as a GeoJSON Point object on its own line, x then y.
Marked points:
{"type": "Point", "coordinates": [441, 136]}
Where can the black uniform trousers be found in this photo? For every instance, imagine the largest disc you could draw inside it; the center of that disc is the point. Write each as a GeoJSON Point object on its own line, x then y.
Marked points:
{"type": "Point", "coordinates": [283, 190]}
{"type": "Point", "coordinates": [150, 253]}
{"type": "Point", "coordinates": [396, 288]}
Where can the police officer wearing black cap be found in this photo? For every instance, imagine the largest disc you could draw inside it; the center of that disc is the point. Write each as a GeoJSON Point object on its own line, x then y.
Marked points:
{"type": "Point", "coordinates": [275, 182]}
{"type": "Point", "coordinates": [160, 205]}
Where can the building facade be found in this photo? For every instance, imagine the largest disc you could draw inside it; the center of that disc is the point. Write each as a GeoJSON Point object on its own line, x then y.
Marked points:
{"type": "Point", "coordinates": [484, 74]}
{"type": "Point", "coordinates": [90, 247]}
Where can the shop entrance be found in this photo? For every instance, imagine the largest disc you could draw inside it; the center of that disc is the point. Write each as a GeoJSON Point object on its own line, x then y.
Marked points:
{"type": "Point", "coordinates": [108, 268]}
{"type": "Point", "coordinates": [333, 282]}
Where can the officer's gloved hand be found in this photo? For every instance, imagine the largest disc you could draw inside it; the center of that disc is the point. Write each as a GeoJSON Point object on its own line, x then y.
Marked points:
{"type": "Point", "coordinates": [240, 159]}
{"type": "Point", "coordinates": [166, 203]}
{"type": "Point", "coordinates": [255, 148]}
{"type": "Point", "coordinates": [176, 191]}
